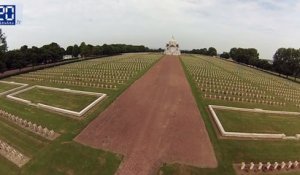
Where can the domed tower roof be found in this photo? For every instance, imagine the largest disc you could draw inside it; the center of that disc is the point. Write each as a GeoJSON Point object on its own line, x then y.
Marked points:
{"type": "Point", "coordinates": [173, 38]}
{"type": "Point", "coordinates": [173, 41]}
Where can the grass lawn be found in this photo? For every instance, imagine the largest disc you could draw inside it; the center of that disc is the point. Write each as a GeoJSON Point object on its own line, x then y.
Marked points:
{"type": "Point", "coordinates": [73, 158]}
{"type": "Point", "coordinates": [254, 122]}
{"type": "Point", "coordinates": [5, 87]}
{"type": "Point", "coordinates": [65, 100]}
{"type": "Point", "coordinates": [7, 167]}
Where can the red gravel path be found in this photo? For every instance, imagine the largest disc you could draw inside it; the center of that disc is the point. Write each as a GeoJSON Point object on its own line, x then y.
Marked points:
{"type": "Point", "coordinates": [155, 120]}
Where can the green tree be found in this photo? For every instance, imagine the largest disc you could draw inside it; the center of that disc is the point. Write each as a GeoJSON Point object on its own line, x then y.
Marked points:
{"type": "Point", "coordinates": [97, 50]}
{"type": "Point", "coordinates": [212, 51]}
{"type": "Point", "coordinates": [3, 49]}
{"type": "Point", "coordinates": [69, 50]}
{"type": "Point", "coordinates": [287, 61]}
{"type": "Point", "coordinates": [75, 51]}
{"type": "Point", "coordinates": [83, 49]}
{"type": "Point", "coordinates": [3, 44]}
{"type": "Point", "coordinates": [225, 55]}
{"type": "Point", "coordinates": [107, 49]}
{"type": "Point", "coordinates": [86, 50]}
{"type": "Point", "coordinates": [233, 53]}
{"type": "Point", "coordinates": [242, 55]}
{"type": "Point", "coordinates": [53, 52]}
{"type": "Point", "coordinates": [203, 51]}
{"type": "Point", "coordinates": [2, 66]}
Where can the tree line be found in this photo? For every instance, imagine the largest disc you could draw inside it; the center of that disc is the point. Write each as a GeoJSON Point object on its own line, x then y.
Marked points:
{"type": "Point", "coordinates": [211, 51]}
{"type": "Point", "coordinates": [286, 61]}
{"type": "Point", "coordinates": [53, 52]}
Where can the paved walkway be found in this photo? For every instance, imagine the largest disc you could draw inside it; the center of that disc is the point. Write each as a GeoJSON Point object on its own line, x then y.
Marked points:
{"type": "Point", "coordinates": [155, 120]}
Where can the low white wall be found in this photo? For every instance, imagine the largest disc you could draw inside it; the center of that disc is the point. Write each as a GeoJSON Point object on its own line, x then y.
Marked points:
{"type": "Point", "coordinates": [100, 96]}
{"type": "Point", "coordinates": [255, 110]}
{"type": "Point", "coordinates": [69, 90]}
{"type": "Point", "coordinates": [22, 85]}
{"type": "Point", "coordinates": [245, 135]}
{"type": "Point", "coordinates": [12, 96]}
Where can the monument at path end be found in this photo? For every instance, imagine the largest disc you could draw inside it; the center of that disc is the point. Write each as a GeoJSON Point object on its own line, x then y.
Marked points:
{"type": "Point", "coordinates": [172, 47]}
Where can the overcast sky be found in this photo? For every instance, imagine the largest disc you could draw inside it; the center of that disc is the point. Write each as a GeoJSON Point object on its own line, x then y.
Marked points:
{"type": "Point", "coordinates": [223, 24]}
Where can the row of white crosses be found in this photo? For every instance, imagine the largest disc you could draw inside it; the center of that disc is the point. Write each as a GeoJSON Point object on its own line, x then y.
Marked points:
{"type": "Point", "coordinates": [238, 99]}
{"type": "Point", "coordinates": [113, 79]}
{"type": "Point", "coordinates": [230, 89]}
{"type": "Point", "coordinates": [28, 78]}
{"type": "Point", "coordinates": [119, 66]}
{"type": "Point", "coordinates": [95, 74]}
{"type": "Point", "coordinates": [101, 73]}
{"type": "Point", "coordinates": [223, 82]}
{"type": "Point", "coordinates": [92, 79]}
{"type": "Point", "coordinates": [85, 84]}
{"type": "Point", "coordinates": [112, 75]}
{"type": "Point", "coordinates": [220, 80]}
{"type": "Point", "coordinates": [89, 72]}
{"type": "Point", "coordinates": [266, 167]}
{"type": "Point", "coordinates": [83, 75]}
{"type": "Point", "coordinates": [33, 127]}
{"type": "Point", "coordinates": [105, 73]}
{"type": "Point", "coordinates": [237, 93]}
{"type": "Point", "coordinates": [12, 154]}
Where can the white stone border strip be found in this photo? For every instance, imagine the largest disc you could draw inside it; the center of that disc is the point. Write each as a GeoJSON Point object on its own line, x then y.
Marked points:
{"type": "Point", "coordinates": [56, 109]}
{"type": "Point", "coordinates": [12, 154]}
{"type": "Point", "coordinates": [255, 110]}
{"type": "Point", "coordinates": [22, 85]}
{"type": "Point", "coordinates": [250, 135]}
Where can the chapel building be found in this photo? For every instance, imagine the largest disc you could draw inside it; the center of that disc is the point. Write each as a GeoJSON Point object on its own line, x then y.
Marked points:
{"type": "Point", "coordinates": [172, 47]}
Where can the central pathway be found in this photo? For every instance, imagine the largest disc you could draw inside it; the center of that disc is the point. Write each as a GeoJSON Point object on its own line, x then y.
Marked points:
{"type": "Point", "coordinates": [155, 120]}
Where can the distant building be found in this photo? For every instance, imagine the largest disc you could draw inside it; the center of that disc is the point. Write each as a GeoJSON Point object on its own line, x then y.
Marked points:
{"type": "Point", "coordinates": [172, 47]}
{"type": "Point", "coordinates": [67, 57]}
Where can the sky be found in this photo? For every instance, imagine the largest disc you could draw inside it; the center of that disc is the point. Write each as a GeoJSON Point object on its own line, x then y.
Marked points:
{"type": "Point", "coordinates": [262, 24]}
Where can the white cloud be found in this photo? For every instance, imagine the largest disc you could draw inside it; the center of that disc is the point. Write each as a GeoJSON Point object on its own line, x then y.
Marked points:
{"type": "Point", "coordinates": [262, 24]}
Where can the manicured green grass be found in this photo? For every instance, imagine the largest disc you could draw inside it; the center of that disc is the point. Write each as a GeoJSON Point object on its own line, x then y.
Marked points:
{"type": "Point", "coordinates": [7, 167]}
{"type": "Point", "coordinates": [65, 100]}
{"type": "Point", "coordinates": [5, 87]}
{"type": "Point", "coordinates": [233, 151]}
{"type": "Point", "coordinates": [63, 155]}
{"type": "Point", "coordinates": [254, 122]}
{"type": "Point", "coordinates": [73, 158]}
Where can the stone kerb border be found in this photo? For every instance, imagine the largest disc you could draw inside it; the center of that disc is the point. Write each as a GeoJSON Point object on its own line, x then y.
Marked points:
{"type": "Point", "coordinates": [56, 109]}
{"type": "Point", "coordinates": [250, 135]}
{"type": "Point", "coordinates": [22, 85]}
{"type": "Point", "coordinates": [12, 154]}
